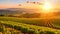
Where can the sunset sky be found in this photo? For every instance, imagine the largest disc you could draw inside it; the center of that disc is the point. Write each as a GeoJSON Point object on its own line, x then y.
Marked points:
{"type": "Point", "coordinates": [15, 3]}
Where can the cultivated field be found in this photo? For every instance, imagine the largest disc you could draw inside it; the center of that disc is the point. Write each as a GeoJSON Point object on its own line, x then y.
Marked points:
{"type": "Point", "coordinates": [29, 25]}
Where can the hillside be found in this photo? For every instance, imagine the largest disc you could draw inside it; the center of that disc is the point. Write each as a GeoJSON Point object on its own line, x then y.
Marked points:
{"type": "Point", "coordinates": [17, 11]}
{"type": "Point", "coordinates": [29, 25]}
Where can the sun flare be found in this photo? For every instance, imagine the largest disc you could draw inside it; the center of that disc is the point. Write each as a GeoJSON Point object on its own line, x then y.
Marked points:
{"type": "Point", "coordinates": [46, 7]}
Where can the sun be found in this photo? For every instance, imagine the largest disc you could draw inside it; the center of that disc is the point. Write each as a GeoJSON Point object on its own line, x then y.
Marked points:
{"type": "Point", "coordinates": [46, 7]}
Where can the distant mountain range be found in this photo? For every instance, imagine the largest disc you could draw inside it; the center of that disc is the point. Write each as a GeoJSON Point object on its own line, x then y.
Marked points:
{"type": "Point", "coordinates": [11, 11]}
{"type": "Point", "coordinates": [17, 11]}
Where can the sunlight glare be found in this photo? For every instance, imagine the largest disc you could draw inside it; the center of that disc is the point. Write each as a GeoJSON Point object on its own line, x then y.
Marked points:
{"type": "Point", "coordinates": [46, 7]}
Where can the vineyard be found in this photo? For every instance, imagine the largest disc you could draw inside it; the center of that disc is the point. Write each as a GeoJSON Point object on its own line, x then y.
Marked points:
{"type": "Point", "coordinates": [11, 25]}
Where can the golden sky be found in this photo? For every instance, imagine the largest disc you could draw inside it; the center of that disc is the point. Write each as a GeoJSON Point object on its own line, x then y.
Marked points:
{"type": "Point", "coordinates": [15, 3]}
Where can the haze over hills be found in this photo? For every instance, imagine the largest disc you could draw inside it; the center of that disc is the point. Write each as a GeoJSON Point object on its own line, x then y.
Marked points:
{"type": "Point", "coordinates": [17, 11]}
{"type": "Point", "coordinates": [13, 11]}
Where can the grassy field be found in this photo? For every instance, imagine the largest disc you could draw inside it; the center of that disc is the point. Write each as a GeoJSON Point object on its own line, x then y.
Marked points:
{"type": "Point", "coordinates": [32, 25]}
{"type": "Point", "coordinates": [35, 21]}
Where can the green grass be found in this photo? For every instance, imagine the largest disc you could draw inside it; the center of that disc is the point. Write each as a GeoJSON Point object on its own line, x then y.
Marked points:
{"type": "Point", "coordinates": [30, 25]}
{"type": "Point", "coordinates": [26, 28]}
{"type": "Point", "coordinates": [57, 22]}
{"type": "Point", "coordinates": [35, 21]}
